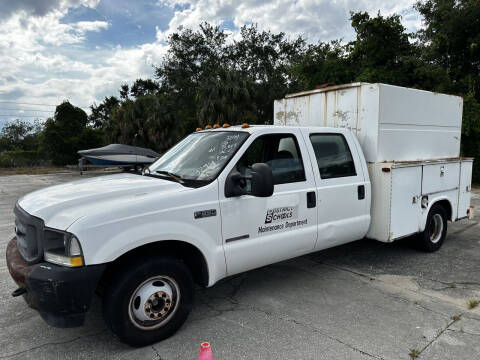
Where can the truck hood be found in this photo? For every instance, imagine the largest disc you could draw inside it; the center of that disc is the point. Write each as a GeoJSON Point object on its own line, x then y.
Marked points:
{"type": "Point", "coordinates": [60, 206]}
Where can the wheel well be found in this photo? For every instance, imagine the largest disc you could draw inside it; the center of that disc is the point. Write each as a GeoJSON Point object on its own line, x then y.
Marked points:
{"type": "Point", "coordinates": [447, 206]}
{"type": "Point", "coordinates": [189, 254]}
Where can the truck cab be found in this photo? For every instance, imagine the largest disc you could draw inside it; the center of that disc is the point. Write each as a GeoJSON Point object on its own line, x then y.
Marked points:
{"type": "Point", "coordinates": [306, 211]}
{"type": "Point", "coordinates": [220, 202]}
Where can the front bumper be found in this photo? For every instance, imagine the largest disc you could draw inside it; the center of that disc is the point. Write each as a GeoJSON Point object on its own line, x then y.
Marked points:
{"type": "Point", "coordinates": [61, 295]}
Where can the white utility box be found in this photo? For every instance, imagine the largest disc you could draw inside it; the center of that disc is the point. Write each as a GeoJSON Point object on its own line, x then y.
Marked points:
{"type": "Point", "coordinates": [392, 123]}
{"type": "Point", "coordinates": [411, 142]}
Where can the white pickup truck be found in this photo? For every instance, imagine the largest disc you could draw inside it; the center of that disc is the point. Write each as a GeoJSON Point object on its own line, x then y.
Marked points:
{"type": "Point", "coordinates": [234, 198]}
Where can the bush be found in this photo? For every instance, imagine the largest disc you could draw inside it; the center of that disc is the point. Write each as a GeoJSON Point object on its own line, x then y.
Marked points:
{"type": "Point", "coordinates": [20, 158]}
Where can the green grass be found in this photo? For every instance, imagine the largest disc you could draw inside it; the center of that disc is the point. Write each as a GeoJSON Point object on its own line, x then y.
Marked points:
{"type": "Point", "coordinates": [414, 353]}
{"type": "Point", "coordinates": [472, 304]}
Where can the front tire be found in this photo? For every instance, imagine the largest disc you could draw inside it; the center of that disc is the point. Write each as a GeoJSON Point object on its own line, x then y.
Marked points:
{"type": "Point", "coordinates": [432, 238]}
{"type": "Point", "coordinates": [149, 300]}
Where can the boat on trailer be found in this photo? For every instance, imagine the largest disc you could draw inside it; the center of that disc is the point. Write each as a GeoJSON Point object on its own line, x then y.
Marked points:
{"type": "Point", "coordinates": [119, 155]}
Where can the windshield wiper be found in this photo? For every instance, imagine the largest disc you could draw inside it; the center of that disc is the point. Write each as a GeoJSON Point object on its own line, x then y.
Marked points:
{"type": "Point", "coordinates": [175, 177]}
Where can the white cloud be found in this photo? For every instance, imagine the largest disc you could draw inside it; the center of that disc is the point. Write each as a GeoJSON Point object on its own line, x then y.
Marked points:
{"type": "Point", "coordinates": [43, 60]}
{"type": "Point", "coordinates": [313, 19]}
{"type": "Point", "coordinates": [84, 26]}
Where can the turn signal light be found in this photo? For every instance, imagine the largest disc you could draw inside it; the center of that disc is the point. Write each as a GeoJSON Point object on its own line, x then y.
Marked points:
{"type": "Point", "coordinates": [76, 261]}
{"type": "Point", "coordinates": [245, 125]}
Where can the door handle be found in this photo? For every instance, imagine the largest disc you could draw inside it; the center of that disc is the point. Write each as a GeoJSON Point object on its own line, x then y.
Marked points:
{"type": "Point", "coordinates": [311, 199]}
{"type": "Point", "coordinates": [361, 192]}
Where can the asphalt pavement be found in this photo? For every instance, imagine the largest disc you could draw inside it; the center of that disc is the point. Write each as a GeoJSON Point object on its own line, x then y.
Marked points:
{"type": "Point", "coordinates": [364, 300]}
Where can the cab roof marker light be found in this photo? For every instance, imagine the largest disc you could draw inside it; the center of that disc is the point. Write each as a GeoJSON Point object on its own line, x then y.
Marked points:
{"type": "Point", "coordinates": [208, 127]}
{"type": "Point", "coordinates": [216, 126]}
{"type": "Point", "coordinates": [226, 125]}
{"type": "Point", "coordinates": [245, 125]}
{"type": "Point", "coordinates": [198, 129]}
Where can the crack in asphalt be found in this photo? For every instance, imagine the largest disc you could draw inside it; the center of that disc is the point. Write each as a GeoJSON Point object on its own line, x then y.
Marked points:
{"type": "Point", "coordinates": [386, 293]}
{"type": "Point", "coordinates": [159, 357]}
{"type": "Point", "coordinates": [52, 343]}
{"type": "Point", "coordinates": [453, 321]}
{"type": "Point", "coordinates": [236, 305]}
{"type": "Point", "coordinates": [455, 283]}
{"type": "Point", "coordinates": [316, 330]}
{"type": "Point", "coordinates": [464, 332]}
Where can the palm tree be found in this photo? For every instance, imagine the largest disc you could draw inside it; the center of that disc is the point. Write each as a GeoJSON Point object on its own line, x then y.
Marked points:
{"type": "Point", "coordinates": [225, 97]}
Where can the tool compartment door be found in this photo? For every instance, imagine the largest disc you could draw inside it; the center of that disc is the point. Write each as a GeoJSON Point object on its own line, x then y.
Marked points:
{"type": "Point", "coordinates": [440, 177]}
{"type": "Point", "coordinates": [405, 201]}
{"type": "Point", "coordinates": [465, 188]}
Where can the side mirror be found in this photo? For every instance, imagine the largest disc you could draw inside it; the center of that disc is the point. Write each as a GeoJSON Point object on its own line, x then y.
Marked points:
{"type": "Point", "coordinates": [235, 184]}
{"type": "Point", "coordinates": [261, 182]}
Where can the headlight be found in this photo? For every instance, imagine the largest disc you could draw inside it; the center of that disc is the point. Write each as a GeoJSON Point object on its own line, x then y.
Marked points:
{"type": "Point", "coordinates": [62, 248]}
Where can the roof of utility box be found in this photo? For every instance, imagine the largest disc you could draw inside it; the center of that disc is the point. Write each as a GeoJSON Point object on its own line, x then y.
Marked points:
{"type": "Point", "coordinates": [392, 123]}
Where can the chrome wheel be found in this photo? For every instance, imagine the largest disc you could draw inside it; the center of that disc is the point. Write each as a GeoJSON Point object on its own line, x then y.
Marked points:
{"type": "Point", "coordinates": [154, 302]}
{"type": "Point", "coordinates": [436, 228]}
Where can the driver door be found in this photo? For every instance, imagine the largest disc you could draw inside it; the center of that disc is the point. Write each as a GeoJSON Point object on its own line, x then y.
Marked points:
{"type": "Point", "coordinates": [259, 231]}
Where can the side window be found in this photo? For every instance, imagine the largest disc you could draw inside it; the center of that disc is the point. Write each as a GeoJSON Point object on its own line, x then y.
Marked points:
{"type": "Point", "coordinates": [334, 158]}
{"type": "Point", "coordinates": [280, 152]}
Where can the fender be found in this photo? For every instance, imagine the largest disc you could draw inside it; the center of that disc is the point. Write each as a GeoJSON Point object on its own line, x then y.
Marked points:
{"type": "Point", "coordinates": [122, 242]}
{"type": "Point", "coordinates": [447, 196]}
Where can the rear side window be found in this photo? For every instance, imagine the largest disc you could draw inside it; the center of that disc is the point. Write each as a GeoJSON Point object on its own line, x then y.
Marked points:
{"type": "Point", "coordinates": [333, 155]}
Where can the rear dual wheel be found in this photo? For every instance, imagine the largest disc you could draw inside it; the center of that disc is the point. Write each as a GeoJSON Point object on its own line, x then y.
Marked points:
{"type": "Point", "coordinates": [432, 238]}
{"type": "Point", "coordinates": [149, 300]}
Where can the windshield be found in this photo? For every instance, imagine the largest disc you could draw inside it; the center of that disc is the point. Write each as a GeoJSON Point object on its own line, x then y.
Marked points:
{"type": "Point", "coordinates": [200, 156]}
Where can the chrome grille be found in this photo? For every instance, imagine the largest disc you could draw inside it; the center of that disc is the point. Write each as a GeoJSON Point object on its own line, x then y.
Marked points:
{"type": "Point", "coordinates": [29, 231]}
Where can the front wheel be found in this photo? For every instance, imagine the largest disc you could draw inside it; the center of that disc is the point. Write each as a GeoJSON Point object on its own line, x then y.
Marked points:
{"type": "Point", "coordinates": [149, 300]}
{"type": "Point", "coordinates": [431, 239]}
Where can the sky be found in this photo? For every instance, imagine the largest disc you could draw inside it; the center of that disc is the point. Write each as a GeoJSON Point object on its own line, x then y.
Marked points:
{"type": "Point", "coordinates": [83, 50]}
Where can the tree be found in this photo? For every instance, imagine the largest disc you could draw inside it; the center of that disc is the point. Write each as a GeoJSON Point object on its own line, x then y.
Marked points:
{"type": "Point", "coordinates": [225, 98]}
{"type": "Point", "coordinates": [196, 58]}
{"type": "Point", "coordinates": [102, 113]}
{"type": "Point", "coordinates": [381, 49]}
{"type": "Point", "coordinates": [66, 133]}
{"type": "Point", "coordinates": [20, 134]}
{"type": "Point", "coordinates": [192, 57]}
{"type": "Point", "coordinates": [322, 63]}
{"type": "Point", "coordinates": [147, 121]}
{"type": "Point", "coordinates": [143, 87]}
{"type": "Point", "coordinates": [124, 89]}
{"type": "Point", "coordinates": [209, 77]}
{"type": "Point", "coordinates": [266, 58]}
{"type": "Point", "coordinates": [451, 39]}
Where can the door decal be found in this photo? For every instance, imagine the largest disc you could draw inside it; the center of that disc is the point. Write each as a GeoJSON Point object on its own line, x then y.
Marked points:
{"type": "Point", "coordinates": [281, 213]}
